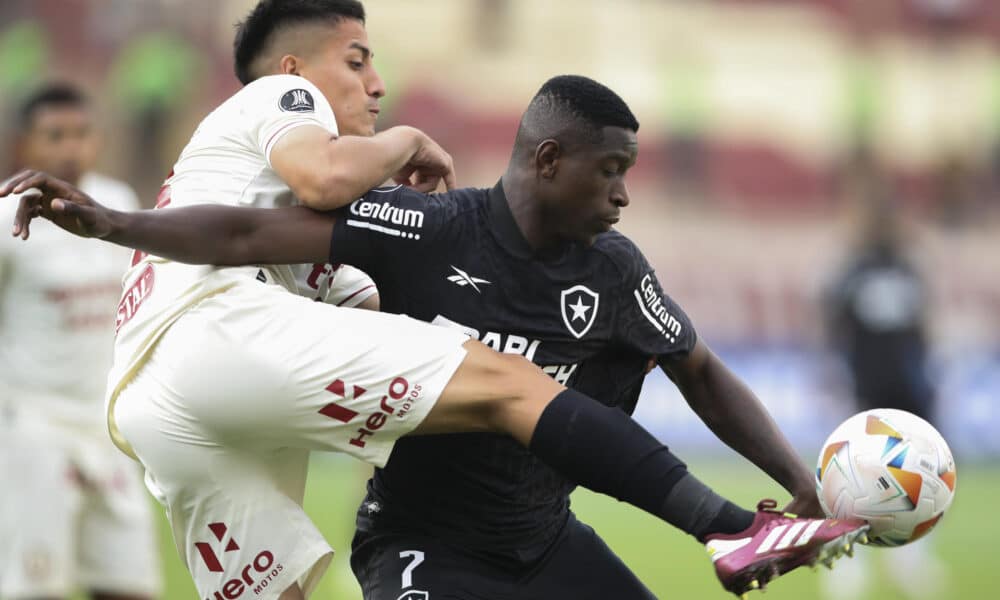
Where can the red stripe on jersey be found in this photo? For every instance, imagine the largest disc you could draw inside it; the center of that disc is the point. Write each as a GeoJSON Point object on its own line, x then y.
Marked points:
{"type": "Point", "coordinates": [348, 299]}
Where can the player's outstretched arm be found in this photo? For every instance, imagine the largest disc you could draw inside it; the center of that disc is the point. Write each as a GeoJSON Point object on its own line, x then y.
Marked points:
{"type": "Point", "coordinates": [735, 414]}
{"type": "Point", "coordinates": [207, 234]}
{"type": "Point", "coordinates": [326, 172]}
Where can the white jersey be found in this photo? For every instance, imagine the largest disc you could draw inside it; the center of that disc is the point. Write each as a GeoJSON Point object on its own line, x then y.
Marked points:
{"type": "Point", "coordinates": [57, 304]}
{"type": "Point", "coordinates": [226, 162]}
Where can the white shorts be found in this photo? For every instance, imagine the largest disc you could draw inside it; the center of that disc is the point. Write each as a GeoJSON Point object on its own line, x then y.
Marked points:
{"type": "Point", "coordinates": [73, 512]}
{"type": "Point", "coordinates": [236, 394]}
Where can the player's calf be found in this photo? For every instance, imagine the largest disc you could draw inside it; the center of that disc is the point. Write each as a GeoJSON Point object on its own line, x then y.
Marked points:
{"type": "Point", "coordinates": [572, 433]}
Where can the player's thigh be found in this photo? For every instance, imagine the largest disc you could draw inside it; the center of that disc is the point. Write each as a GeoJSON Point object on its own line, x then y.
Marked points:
{"type": "Point", "coordinates": [259, 367]}
{"type": "Point", "coordinates": [405, 567]}
{"type": "Point", "coordinates": [39, 506]}
{"type": "Point", "coordinates": [492, 392]}
{"type": "Point", "coordinates": [582, 567]}
{"type": "Point", "coordinates": [235, 514]}
{"type": "Point", "coordinates": [117, 550]}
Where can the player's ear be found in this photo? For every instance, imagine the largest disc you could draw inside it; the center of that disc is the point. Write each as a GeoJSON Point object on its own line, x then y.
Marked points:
{"type": "Point", "coordinates": [291, 65]}
{"type": "Point", "coordinates": [547, 156]}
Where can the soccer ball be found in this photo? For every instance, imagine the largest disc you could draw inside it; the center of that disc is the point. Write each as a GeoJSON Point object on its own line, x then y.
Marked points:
{"type": "Point", "coordinates": [890, 468]}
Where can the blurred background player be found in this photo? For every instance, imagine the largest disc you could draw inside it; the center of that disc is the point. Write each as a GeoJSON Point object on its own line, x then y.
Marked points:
{"type": "Point", "coordinates": [75, 515]}
{"type": "Point", "coordinates": [877, 310]}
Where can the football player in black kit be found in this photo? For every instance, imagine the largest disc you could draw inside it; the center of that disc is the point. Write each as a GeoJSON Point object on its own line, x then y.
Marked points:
{"type": "Point", "coordinates": [529, 267]}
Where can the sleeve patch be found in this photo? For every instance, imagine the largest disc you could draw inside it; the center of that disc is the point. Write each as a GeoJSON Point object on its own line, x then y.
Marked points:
{"type": "Point", "coordinates": [651, 304]}
{"type": "Point", "coordinates": [391, 220]}
{"type": "Point", "coordinates": [298, 100]}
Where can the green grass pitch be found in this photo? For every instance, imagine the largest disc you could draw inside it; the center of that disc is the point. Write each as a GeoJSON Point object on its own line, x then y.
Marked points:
{"type": "Point", "coordinates": [670, 563]}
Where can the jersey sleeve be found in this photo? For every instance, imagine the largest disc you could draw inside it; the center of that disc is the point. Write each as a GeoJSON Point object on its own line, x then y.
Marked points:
{"type": "Point", "coordinates": [350, 287]}
{"type": "Point", "coordinates": [390, 226]}
{"type": "Point", "coordinates": [648, 320]}
{"type": "Point", "coordinates": [274, 105]}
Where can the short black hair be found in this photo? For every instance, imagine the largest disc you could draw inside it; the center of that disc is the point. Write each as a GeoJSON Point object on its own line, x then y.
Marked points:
{"type": "Point", "coordinates": [253, 34]}
{"type": "Point", "coordinates": [60, 94]}
{"type": "Point", "coordinates": [572, 108]}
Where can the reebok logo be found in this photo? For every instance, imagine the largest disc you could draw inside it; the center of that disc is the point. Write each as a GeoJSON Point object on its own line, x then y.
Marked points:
{"type": "Point", "coordinates": [462, 279]}
{"type": "Point", "coordinates": [651, 304]}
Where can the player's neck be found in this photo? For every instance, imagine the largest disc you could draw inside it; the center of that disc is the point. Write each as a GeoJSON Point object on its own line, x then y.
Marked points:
{"type": "Point", "coordinates": [530, 218]}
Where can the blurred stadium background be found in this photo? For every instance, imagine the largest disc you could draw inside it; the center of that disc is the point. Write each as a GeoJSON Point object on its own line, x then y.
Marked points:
{"type": "Point", "coordinates": [770, 129]}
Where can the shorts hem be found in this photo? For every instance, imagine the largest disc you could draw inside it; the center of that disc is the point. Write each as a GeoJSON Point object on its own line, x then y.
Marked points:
{"type": "Point", "coordinates": [442, 377]}
{"type": "Point", "coordinates": [307, 567]}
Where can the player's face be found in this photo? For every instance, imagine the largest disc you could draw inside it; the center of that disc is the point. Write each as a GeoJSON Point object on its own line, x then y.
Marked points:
{"type": "Point", "coordinates": [61, 141]}
{"type": "Point", "coordinates": [342, 69]}
{"type": "Point", "coordinates": [589, 192]}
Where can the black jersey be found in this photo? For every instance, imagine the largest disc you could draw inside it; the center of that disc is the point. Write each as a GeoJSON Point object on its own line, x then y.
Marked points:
{"type": "Point", "coordinates": [591, 318]}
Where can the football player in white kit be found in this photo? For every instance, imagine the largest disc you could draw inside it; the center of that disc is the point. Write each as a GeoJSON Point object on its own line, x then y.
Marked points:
{"type": "Point", "coordinates": [73, 512]}
{"type": "Point", "coordinates": [223, 382]}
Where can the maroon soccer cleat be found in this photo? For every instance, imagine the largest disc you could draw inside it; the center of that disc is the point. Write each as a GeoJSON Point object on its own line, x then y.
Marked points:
{"type": "Point", "coordinates": [777, 543]}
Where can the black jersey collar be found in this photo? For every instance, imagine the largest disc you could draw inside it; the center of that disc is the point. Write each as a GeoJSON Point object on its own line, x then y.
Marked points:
{"type": "Point", "coordinates": [504, 226]}
{"type": "Point", "coordinates": [508, 233]}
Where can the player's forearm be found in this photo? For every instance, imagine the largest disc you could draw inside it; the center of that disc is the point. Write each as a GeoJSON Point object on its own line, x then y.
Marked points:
{"type": "Point", "coordinates": [734, 413]}
{"type": "Point", "coordinates": [225, 236]}
{"type": "Point", "coordinates": [354, 165]}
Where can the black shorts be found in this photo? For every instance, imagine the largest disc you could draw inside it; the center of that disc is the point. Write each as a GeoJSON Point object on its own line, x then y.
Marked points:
{"type": "Point", "coordinates": [578, 565]}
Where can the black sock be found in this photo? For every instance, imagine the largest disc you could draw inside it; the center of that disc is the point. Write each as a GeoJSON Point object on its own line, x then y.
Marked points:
{"type": "Point", "coordinates": [605, 450]}
{"type": "Point", "coordinates": [731, 519]}
{"type": "Point", "coordinates": [701, 512]}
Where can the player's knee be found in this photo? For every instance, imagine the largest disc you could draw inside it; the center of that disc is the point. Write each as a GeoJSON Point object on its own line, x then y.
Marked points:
{"type": "Point", "coordinates": [526, 390]}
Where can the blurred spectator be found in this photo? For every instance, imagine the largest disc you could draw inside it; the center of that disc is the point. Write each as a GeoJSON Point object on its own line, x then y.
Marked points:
{"type": "Point", "coordinates": [876, 311]}
{"type": "Point", "coordinates": [876, 315]}
{"type": "Point", "coordinates": [75, 514]}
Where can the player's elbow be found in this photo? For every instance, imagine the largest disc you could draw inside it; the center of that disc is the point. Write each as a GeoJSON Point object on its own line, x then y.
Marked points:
{"type": "Point", "coordinates": [327, 191]}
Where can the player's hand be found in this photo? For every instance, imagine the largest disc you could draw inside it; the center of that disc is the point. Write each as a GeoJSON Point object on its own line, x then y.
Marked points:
{"type": "Point", "coordinates": [43, 195]}
{"type": "Point", "coordinates": [806, 504]}
{"type": "Point", "coordinates": [427, 168]}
